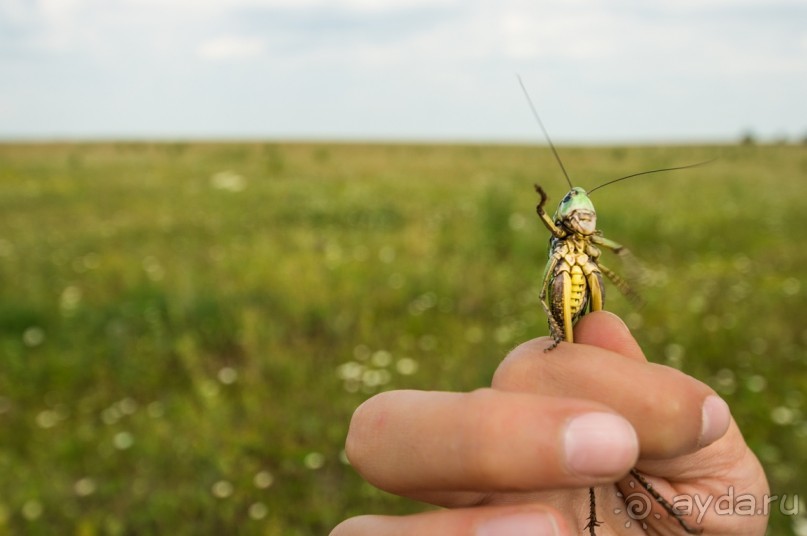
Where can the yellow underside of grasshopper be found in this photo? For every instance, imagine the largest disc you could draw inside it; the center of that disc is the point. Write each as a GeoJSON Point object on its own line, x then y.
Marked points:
{"type": "Point", "coordinates": [572, 286]}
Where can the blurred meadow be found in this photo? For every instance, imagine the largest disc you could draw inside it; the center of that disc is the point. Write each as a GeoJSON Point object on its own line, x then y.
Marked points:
{"type": "Point", "coordinates": [186, 328]}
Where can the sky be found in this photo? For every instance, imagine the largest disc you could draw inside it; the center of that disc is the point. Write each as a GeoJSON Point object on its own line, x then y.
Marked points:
{"type": "Point", "coordinates": [407, 70]}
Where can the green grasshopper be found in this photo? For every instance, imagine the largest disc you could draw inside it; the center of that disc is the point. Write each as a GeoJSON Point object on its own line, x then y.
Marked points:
{"type": "Point", "coordinates": [572, 281]}
{"type": "Point", "coordinates": [572, 284]}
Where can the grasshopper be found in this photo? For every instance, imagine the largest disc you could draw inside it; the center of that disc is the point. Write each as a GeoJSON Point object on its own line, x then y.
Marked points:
{"type": "Point", "coordinates": [572, 283]}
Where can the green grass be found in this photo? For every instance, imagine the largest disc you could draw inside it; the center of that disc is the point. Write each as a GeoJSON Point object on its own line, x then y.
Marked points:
{"type": "Point", "coordinates": [185, 329]}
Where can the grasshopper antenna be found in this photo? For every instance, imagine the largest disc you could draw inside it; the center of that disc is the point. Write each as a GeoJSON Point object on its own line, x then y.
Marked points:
{"type": "Point", "coordinates": [546, 134]}
{"type": "Point", "coordinates": [649, 172]}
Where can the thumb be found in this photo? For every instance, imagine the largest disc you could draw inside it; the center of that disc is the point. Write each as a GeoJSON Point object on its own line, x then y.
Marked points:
{"type": "Point", "coordinates": [606, 330]}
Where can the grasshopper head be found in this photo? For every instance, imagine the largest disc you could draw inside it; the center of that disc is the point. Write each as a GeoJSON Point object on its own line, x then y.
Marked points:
{"type": "Point", "coordinates": [576, 212]}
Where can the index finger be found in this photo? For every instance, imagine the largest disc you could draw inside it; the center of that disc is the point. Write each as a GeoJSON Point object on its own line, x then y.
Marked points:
{"type": "Point", "coordinates": [673, 413]}
{"type": "Point", "coordinates": [416, 442]}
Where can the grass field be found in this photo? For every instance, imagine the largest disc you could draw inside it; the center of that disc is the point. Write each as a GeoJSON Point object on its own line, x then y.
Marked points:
{"type": "Point", "coordinates": [185, 329]}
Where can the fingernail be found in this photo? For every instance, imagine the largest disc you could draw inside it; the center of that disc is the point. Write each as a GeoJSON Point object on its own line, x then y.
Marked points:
{"type": "Point", "coordinates": [715, 420]}
{"type": "Point", "coordinates": [600, 444]}
{"type": "Point", "coordinates": [525, 524]}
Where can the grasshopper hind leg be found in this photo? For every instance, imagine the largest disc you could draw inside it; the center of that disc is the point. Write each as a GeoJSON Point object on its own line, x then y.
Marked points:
{"type": "Point", "coordinates": [669, 508]}
{"type": "Point", "coordinates": [593, 522]}
{"type": "Point", "coordinates": [555, 329]}
{"type": "Point", "coordinates": [550, 290]}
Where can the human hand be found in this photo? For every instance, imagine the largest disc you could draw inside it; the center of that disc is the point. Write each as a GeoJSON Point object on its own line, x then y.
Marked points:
{"type": "Point", "coordinates": [518, 458]}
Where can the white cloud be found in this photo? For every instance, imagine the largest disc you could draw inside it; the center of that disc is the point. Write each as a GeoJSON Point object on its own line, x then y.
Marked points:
{"type": "Point", "coordinates": [220, 6]}
{"type": "Point", "coordinates": [232, 47]}
{"type": "Point", "coordinates": [60, 8]}
{"type": "Point", "coordinates": [444, 59]}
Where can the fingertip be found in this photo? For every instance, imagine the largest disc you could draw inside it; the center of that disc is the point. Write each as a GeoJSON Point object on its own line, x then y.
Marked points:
{"type": "Point", "coordinates": [598, 324]}
{"type": "Point", "coordinates": [505, 520]}
{"type": "Point", "coordinates": [354, 526]}
{"type": "Point", "coordinates": [606, 330]}
{"type": "Point", "coordinates": [715, 420]}
{"type": "Point", "coordinates": [600, 444]}
{"type": "Point", "coordinates": [519, 524]}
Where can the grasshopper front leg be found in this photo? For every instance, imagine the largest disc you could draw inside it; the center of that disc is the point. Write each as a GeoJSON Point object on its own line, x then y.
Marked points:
{"type": "Point", "coordinates": [616, 247]}
{"type": "Point", "coordinates": [556, 231]}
